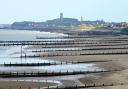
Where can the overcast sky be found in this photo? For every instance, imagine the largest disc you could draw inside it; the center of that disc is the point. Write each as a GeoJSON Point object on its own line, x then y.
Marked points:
{"type": "Point", "coordinates": [41, 10]}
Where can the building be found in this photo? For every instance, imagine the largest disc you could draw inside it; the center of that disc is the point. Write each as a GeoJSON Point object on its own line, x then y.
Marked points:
{"type": "Point", "coordinates": [58, 22]}
{"type": "Point", "coordinates": [61, 17]}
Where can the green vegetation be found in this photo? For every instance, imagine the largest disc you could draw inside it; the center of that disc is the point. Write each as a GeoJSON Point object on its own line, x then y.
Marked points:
{"type": "Point", "coordinates": [89, 27]}
{"type": "Point", "coordinates": [124, 31]}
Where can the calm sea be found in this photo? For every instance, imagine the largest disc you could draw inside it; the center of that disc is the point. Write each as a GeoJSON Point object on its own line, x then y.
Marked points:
{"type": "Point", "coordinates": [6, 34]}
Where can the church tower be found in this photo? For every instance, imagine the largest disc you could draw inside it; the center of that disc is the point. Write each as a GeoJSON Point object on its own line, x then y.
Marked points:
{"type": "Point", "coordinates": [61, 17]}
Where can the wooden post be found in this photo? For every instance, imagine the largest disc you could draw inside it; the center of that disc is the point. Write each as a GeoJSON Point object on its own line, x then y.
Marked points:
{"type": "Point", "coordinates": [55, 62]}
{"type": "Point", "coordinates": [21, 50]}
{"type": "Point", "coordinates": [60, 72]}
{"type": "Point", "coordinates": [66, 62]}
{"type": "Point", "coordinates": [39, 87]}
{"type": "Point", "coordinates": [48, 87]}
{"type": "Point", "coordinates": [67, 71]}
{"type": "Point", "coordinates": [76, 86]}
{"type": "Point", "coordinates": [85, 85]}
{"type": "Point", "coordinates": [56, 87]}
{"type": "Point", "coordinates": [112, 84]}
{"type": "Point", "coordinates": [72, 62]}
{"type": "Point", "coordinates": [17, 74]}
{"type": "Point", "coordinates": [20, 87]}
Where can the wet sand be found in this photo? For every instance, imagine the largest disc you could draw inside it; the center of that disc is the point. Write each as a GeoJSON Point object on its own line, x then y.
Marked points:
{"type": "Point", "coordinates": [23, 85]}
{"type": "Point", "coordinates": [118, 62]}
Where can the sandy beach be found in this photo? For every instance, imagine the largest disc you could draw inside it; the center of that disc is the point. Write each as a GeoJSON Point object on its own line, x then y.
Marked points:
{"type": "Point", "coordinates": [118, 62]}
{"type": "Point", "coordinates": [23, 85]}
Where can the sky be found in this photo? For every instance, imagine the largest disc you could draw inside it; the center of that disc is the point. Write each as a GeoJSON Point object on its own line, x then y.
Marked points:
{"type": "Point", "coordinates": [42, 10]}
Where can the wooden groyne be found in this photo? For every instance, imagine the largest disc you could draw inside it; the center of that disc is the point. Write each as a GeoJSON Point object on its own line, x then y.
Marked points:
{"type": "Point", "coordinates": [63, 37]}
{"type": "Point", "coordinates": [63, 43]}
{"type": "Point", "coordinates": [81, 36]}
{"type": "Point", "coordinates": [53, 63]}
{"type": "Point", "coordinates": [49, 74]}
{"type": "Point", "coordinates": [82, 49]}
{"type": "Point", "coordinates": [29, 64]}
{"type": "Point", "coordinates": [86, 45]}
{"type": "Point", "coordinates": [75, 54]}
{"type": "Point", "coordinates": [88, 86]}
{"type": "Point", "coordinates": [84, 86]}
{"type": "Point", "coordinates": [72, 40]}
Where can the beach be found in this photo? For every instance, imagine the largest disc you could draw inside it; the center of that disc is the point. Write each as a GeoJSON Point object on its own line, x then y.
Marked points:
{"type": "Point", "coordinates": [108, 53]}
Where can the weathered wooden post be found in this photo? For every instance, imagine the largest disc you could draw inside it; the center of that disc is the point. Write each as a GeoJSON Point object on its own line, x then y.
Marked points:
{"type": "Point", "coordinates": [21, 50]}
{"type": "Point", "coordinates": [76, 86]}
{"type": "Point", "coordinates": [39, 87]}
{"type": "Point", "coordinates": [60, 72]}
{"type": "Point", "coordinates": [10, 74]}
{"type": "Point", "coordinates": [48, 86]}
{"type": "Point", "coordinates": [20, 87]}
{"type": "Point", "coordinates": [66, 62]}
{"type": "Point", "coordinates": [17, 74]}
{"type": "Point", "coordinates": [57, 87]}
{"type": "Point", "coordinates": [112, 84]}
{"type": "Point", "coordinates": [55, 63]}
{"type": "Point", "coordinates": [94, 85]}
{"type": "Point", "coordinates": [10, 63]}
{"type": "Point", "coordinates": [85, 85]}
{"type": "Point", "coordinates": [72, 62]}
{"type": "Point", "coordinates": [80, 71]}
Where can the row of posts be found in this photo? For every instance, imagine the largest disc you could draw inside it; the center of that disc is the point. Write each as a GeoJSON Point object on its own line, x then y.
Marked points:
{"type": "Point", "coordinates": [74, 54]}
{"type": "Point", "coordinates": [71, 87]}
{"type": "Point", "coordinates": [52, 63]}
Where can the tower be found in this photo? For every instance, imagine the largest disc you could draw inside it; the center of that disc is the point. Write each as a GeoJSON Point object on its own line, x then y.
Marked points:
{"type": "Point", "coordinates": [61, 17]}
{"type": "Point", "coordinates": [81, 19]}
